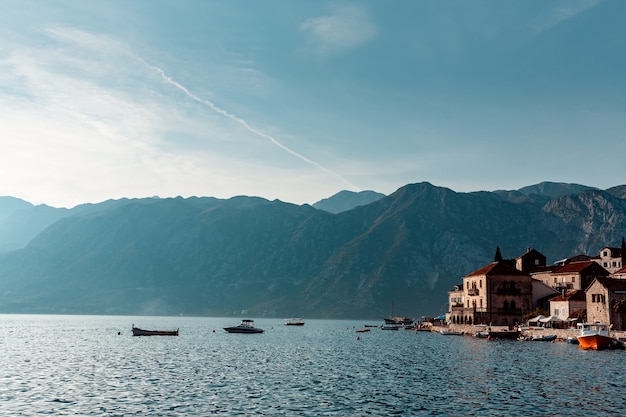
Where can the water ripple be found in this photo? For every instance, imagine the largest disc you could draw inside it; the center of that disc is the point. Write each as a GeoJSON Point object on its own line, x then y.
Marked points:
{"type": "Point", "coordinates": [69, 365]}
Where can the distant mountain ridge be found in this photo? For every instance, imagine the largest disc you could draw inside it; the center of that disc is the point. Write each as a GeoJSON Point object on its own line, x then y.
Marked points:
{"type": "Point", "coordinates": [347, 200]}
{"type": "Point", "coordinates": [208, 256]}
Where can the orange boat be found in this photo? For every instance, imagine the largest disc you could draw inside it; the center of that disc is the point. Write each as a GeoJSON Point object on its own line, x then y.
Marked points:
{"type": "Point", "coordinates": [594, 336]}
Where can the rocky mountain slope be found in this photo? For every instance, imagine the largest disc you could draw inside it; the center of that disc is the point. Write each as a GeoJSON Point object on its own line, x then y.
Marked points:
{"type": "Point", "coordinates": [206, 256]}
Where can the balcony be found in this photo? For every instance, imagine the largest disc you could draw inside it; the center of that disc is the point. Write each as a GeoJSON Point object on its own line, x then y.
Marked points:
{"type": "Point", "coordinates": [473, 291]}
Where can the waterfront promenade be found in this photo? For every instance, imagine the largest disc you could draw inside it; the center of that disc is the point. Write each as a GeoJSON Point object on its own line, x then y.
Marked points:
{"type": "Point", "coordinates": [561, 334]}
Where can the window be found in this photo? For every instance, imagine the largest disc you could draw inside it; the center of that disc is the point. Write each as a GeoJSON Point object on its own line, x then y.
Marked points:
{"type": "Point", "coordinates": [605, 253]}
{"type": "Point", "coordinates": [556, 311]}
{"type": "Point", "coordinates": [573, 279]}
{"type": "Point", "coordinates": [604, 264]}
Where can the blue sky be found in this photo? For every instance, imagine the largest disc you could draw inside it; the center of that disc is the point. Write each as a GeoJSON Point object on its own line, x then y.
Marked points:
{"type": "Point", "coordinates": [298, 100]}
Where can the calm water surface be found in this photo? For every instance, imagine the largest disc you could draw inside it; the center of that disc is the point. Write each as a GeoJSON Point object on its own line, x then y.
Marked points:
{"type": "Point", "coordinates": [80, 365]}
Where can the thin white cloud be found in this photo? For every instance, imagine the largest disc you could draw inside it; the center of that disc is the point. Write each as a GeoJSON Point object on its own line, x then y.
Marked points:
{"type": "Point", "coordinates": [245, 124]}
{"type": "Point", "coordinates": [81, 121]}
{"type": "Point", "coordinates": [345, 28]}
{"type": "Point", "coordinates": [561, 12]}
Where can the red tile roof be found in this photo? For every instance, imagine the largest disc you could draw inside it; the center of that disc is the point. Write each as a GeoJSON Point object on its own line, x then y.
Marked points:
{"type": "Point", "coordinates": [497, 268]}
{"type": "Point", "coordinates": [575, 267]}
{"type": "Point", "coordinates": [575, 295]}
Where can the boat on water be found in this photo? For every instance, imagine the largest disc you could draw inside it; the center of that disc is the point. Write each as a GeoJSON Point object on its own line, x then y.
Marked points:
{"type": "Point", "coordinates": [294, 322]}
{"type": "Point", "coordinates": [142, 332]}
{"type": "Point", "coordinates": [246, 326]}
{"type": "Point", "coordinates": [397, 320]}
{"type": "Point", "coordinates": [451, 333]}
{"type": "Point", "coordinates": [543, 338]}
{"type": "Point", "coordinates": [363, 330]}
{"type": "Point", "coordinates": [572, 340]}
{"type": "Point", "coordinates": [421, 328]}
{"type": "Point", "coordinates": [595, 336]}
{"type": "Point", "coordinates": [390, 327]}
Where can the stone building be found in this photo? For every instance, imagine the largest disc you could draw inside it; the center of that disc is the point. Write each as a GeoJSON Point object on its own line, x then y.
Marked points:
{"type": "Point", "coordinates": [496, 294]}
{"type": "Point", "coordinates": [606, 302]}
{"type": "Point", "coordinates": [567, 305]}
{"type": "Point", "coordinates": [611, 258]}
{"type": "Point", "coordinates": [571, 275]}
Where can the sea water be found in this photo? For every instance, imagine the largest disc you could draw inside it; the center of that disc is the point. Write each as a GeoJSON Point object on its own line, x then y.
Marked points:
{"type": "Point", "coordinates": [93, 366]}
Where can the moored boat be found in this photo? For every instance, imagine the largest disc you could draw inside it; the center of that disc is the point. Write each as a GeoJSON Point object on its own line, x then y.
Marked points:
{"type": "Point", "coordinates": [451, 333]}
{"type": "Point", "coordinates": [294, 322]}
{"type": "Point", "coordinates": [142, 332]}
{"type": "Point", "coordinates": [595, 336]}
{"type": "Point", "coordinates": [363, 330]}
{"type": "Point", "coordinates": [504, 334]}
{"type": "Point", "coordinates": [543, 338]}
{"type": "Point", "coordinates": [246, 326]}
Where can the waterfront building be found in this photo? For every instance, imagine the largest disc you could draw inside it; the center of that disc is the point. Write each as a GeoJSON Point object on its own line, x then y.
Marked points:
{"type": "Point", "coordinates": [568, 304]}
{"type": "Point", "coordinates": [606, 302]}
{"type": "Point", "coordinates": [496, 294]}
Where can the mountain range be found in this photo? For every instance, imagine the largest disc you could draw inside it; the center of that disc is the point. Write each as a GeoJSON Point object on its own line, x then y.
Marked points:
{"type": "Point", "coordinates": [246, 255]}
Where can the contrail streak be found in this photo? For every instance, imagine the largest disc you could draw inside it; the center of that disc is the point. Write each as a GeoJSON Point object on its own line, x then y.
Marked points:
{"type": "Point", "coordinates": [242, 122]}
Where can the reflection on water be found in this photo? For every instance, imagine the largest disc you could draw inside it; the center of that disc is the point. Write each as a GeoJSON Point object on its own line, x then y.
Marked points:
{"type": "Point", "coordinates": [79, 365]}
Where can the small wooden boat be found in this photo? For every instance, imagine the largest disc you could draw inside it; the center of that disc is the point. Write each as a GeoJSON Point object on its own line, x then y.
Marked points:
{"type": "Point", "coordinates": [363, 330]}
{"type": "Point", "coordinates": [294, 322]}
{"type": "Point", "coordinates": [142, 332]}
{"type": "Point", "coordinates": [390, 327]}
{"type": "Point", "coordinates": [246, 326]}
{"type": "Point", "coordinates": [543, 338]}
{"type": "Point", "coordinates": [451, 333]}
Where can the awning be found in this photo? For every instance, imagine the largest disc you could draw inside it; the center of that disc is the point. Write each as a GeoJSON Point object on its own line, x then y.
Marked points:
{"type": "Point", "coordinates": [550, 319]}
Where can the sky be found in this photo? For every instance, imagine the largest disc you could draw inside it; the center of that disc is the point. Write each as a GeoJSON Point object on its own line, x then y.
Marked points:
{"type": "Point", "coordinates": [298, 100]}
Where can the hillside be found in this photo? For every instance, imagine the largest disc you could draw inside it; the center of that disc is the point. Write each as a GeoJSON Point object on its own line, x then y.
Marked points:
{"type": "Point", "coordinates": [206, 256]}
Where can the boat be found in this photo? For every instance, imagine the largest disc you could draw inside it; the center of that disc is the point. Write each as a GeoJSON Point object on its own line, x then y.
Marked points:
{"type": "Point", "coordinates": [397, 320]}
{"type": "Point", "coordinates": [294, 322]}
{"type": "Point", "coordinates": [543, 338]}
{"type": "Point", "coordinates": [390, 327]}
{"type": "Point", "coordinates": [142, 332]}
{"type": "Point", "coordinates": [482, 334]}
{"type": "Point", "coordinates": [451, 333]}
{"type": "Point", "coordinates": [363, 330]}
{"type": "Point", "coordinates": [572, 340]}
{"type": "Point", "coordinates": [421, 329]}
{"type": "Point", "coordinates": [594, 336]}
{"type": "Point", "coordinates": [246, 326]}
{"type": "Point", "coordinates": [504, 334]}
